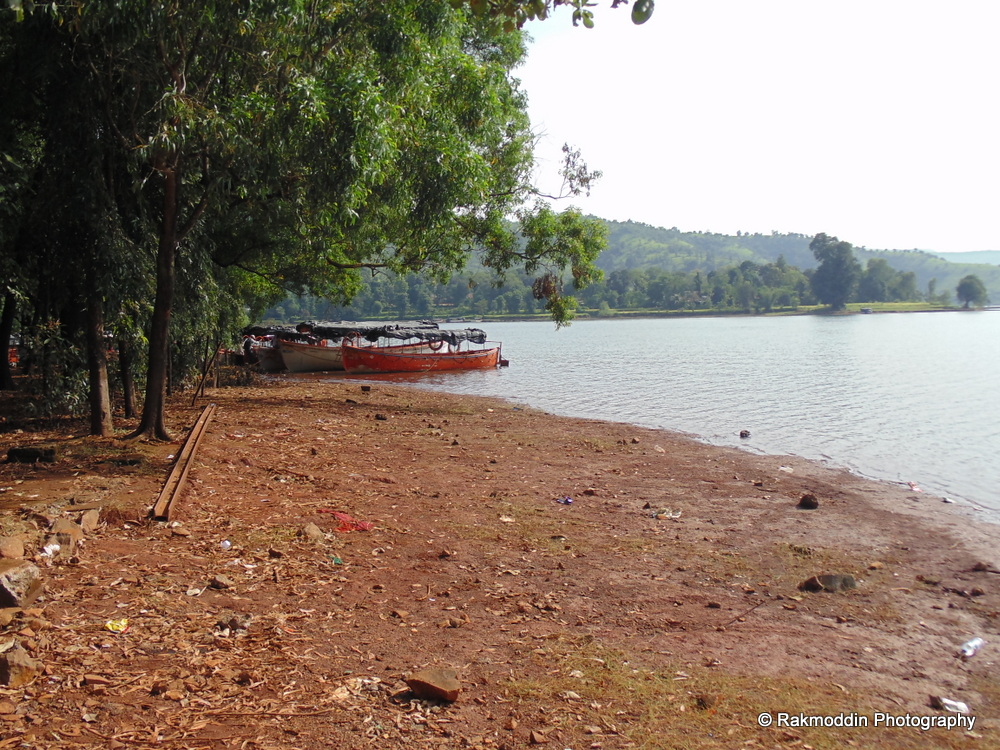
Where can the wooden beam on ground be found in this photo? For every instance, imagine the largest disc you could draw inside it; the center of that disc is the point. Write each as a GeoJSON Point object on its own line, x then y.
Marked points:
{"type": "Point", "coordinates": [178, 475]}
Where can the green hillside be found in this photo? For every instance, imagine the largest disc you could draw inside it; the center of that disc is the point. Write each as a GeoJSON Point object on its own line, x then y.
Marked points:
{"type": "Point", "coordinates": [633, 245]}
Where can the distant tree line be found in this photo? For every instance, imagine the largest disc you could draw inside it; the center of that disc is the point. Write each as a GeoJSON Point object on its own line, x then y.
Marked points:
{"type": "Point", "coordinates": [747, 287]}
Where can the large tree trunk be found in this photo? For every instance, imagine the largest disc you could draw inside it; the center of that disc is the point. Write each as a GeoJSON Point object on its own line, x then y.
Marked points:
{"type": "Point", "coordinates": [97, 363]}
{"type": "Point", "coordinates": [126, 369]}
{"type": "Point", "coordinates": [6, 328]}
{"type": "Point", "coordinates": [152, 424]}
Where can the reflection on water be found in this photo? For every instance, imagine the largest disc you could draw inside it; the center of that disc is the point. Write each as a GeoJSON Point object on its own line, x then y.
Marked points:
{"type": "Point", "coordinates": [903, 398]}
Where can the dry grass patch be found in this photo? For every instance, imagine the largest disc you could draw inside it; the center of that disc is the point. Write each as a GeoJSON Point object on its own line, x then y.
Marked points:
{"type": "Point", "coordinates": [600, 691]}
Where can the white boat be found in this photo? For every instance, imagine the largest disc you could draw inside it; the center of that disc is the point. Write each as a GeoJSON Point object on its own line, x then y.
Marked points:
{"type": "Point", "coordinates": [303, 357]}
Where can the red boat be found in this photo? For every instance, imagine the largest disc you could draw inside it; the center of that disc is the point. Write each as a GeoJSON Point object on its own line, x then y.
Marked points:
{"type": "Point", "coordinates": [359, 359]}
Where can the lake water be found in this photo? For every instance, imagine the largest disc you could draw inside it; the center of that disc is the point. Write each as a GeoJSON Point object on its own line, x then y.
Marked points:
{"type": "Point", "coordinates": [903, 398]}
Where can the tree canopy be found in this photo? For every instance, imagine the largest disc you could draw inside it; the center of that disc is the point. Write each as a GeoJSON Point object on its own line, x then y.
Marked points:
{"type": "Point", "coordinates": [838, 273]}
{"type": "Point", "coordinates": [971, 291]}
{"type": "Point", "coordinates": [233, 151]}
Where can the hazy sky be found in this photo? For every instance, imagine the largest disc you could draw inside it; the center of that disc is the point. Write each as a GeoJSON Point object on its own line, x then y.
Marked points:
{"type": "Point", "coordinates": [877, 121]}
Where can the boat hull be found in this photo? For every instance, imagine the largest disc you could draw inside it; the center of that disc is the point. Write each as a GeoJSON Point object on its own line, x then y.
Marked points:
{"type": "Point", "coordinates": [301, 357]}
{"type": "Point", "coordinates": [370, 359]}
{"type": "Point", "coordinates": [269, 358]}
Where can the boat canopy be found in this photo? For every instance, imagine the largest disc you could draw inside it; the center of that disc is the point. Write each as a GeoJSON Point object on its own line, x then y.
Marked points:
{"type": "Point", "coordinates": [423, 330]}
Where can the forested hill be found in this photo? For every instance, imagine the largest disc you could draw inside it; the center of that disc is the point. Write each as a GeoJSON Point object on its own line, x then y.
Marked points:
{"type": "Point", "coordinates": [635, 245]}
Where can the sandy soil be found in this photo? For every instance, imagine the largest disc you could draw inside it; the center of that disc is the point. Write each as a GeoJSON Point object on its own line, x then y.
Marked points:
{"type": "Point", "coordinates": [676, 567]}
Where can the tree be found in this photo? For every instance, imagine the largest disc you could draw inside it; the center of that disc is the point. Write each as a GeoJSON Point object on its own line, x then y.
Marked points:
{"type": "Point", "coordinates": [302, 144]}
{"type": "Point", "coordinates": [516, 13]}
{"type": "Point", "coordinates": [836, 278]}
{"type": "Point", "coordinates": [971, 290]}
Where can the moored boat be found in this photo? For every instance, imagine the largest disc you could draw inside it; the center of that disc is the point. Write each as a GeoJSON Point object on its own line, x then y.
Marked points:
{"type": "Point", "coordinates": [301, 356]}
{"type": "Point", "coordinates": [426, 358]}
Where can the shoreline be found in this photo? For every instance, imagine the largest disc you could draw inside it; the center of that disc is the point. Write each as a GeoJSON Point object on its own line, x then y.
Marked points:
{"type": "Point", "coordinates": [665, 597]}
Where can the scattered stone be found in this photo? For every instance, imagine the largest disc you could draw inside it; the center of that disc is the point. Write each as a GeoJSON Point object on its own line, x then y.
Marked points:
{"type": "Point", "coordinates": [17, 668]}
{"type": "Point", "coordinates": [705, 702]}
{"type": "Point", "coordinates": [67, 534]}
{"type": "Point", "coordinates": [744, 434]}
{"type": "Point", "coordinates": [714, 605]}
{"type": "Point", "coordinates": [831, 583]}
{"type": "Point", "coordinates": [97, 680]}
{"type": "Point", "coordinates": [233, 623]}
{"type": "Point", "coordinates": [366, 389]}
{"type": "Point", "coordinates": [31, 454]}
{"type": "Point", "coordinates": [11, 548]}
{"type": "Point", "coordinates": [20, 583]}
{"type": "Point", "coordinates": [537, 738]}
{"type": "Point", "coordinates": [221, 582]}
{"type": "Point", "coordinates": [876, 565]}
{"type": "Point", "coordinates": [434, 684]}
{"type": "Point", "coordinates": [808, 502]}
{"type": "Point", "coordinates": [275, 554]}
{"type": "Point", "coordinates": [313, 533]}
{"type": "Point", "coordinates": [381, 417]}
{"type": "Point", "coordinates": [90, 520]}
{"type": "Point", "coordinates": [180, 531]}
{"type": "Point", "coordinates": [7, 615]}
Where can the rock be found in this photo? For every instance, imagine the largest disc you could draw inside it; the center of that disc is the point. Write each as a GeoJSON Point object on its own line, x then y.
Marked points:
{"type": "Point", "coordinates": [537, 738]}
{"type": "Point", "coordinates": [808, 502]}
{"type": "Point", "coordinates": [11, 548]}
{"type": "Point", "coordinates": [434, 684]}
{"type": "Point", "coordinates": [829, 583]}
{"type": "Point", "coordinates": [7, 615]}
{"type": "Point", "coordinates": [17, 668]}
{"type": "Point", "coordinates": [90, 520]}
{"type": "Point", "coordinates": [31, 454]}
{"type": "Point", "coordinates": [67, 534]}
{"type": "Point", "coordinates": [233, 622]}
{"type": "Point", "coordinates": [221, 582]}
{"type": "Point", "coordinates": [20, 583]}
{"type": "Point", "coordinates": [312, 532]}
{"type": "Point", "coordinates": [744, 434]}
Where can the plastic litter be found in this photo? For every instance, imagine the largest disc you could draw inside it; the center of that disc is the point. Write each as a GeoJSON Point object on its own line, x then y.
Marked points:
{"type": "Point", "coordinates": [51, 550]}
{"type": "Point", "coordinates": [970, 648]}
{"type": "Point", "coordinates": [226, 544]}
{"type": "Point", "coordinates": [347, 523]}
{"type": "Point", "coordinates": [664, 513]}
{"type": "Point", "coordinates": [946, 704]}
{"type": "Point", "coordinates": [117, 626]}
{"type": "Point", "coordinates": [564, 500]}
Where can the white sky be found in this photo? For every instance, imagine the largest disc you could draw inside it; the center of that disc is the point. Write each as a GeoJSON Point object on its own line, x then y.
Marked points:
{"type": "Point", "coordinates": [872, 120]}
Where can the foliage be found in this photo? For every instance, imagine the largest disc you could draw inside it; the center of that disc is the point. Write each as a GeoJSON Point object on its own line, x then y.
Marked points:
{"type": "Point", "coordinates": [971, 291]}
{"type": "Point", "coordinates": [835, 280]}
{"type": "Point", "coordinates": [228, 154]}
{"type": "Point", "coordinates": [515, 13]}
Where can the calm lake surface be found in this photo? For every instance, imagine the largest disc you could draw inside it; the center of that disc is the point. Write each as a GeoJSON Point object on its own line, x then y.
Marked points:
{"type": "Point", "coordinates": [898, 397]}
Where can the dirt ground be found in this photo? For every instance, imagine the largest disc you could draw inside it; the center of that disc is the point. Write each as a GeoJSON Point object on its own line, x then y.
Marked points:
{"type": "Point", "coordinates": [659, 608]}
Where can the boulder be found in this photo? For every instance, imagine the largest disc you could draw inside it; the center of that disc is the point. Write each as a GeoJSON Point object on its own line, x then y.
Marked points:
{"type": "Point", "coordinates": [11, 548]}
{"type": "Point", "coordinates": [20, 583]}
{"type": "Point", "coordinates": [17, 668]}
